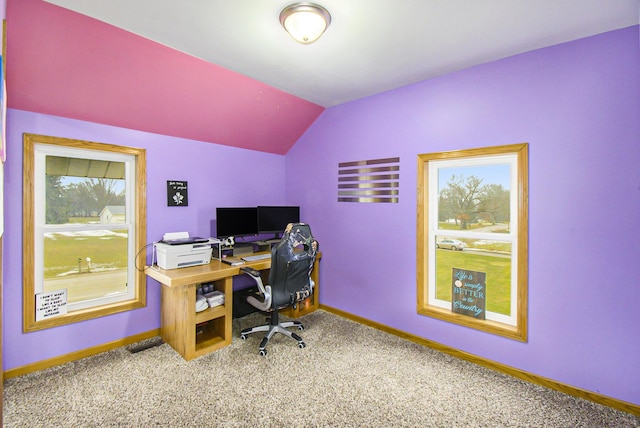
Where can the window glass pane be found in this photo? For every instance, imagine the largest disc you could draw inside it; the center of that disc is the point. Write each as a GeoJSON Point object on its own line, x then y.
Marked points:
{"type": "Point", "coordinates": [475, 198]}
{"type": "Point", "coordinates": [490, 257]}
{"type": "Point", "coordinates": [89, 264]}
{"type": "Point", "coordinates": [84, 191]}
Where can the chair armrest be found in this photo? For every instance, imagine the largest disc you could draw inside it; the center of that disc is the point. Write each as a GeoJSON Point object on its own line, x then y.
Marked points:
{"type": "Point", "coordinates": [255, 275]}
{"type": "Point", "coordinates": [251, 271]}
{"type": "Point", "coordinates": [263, 305]}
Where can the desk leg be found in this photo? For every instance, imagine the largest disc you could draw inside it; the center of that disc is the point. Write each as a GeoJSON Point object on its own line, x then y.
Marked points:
{"type": "Point", "coordinates": [177, 317]}
{"type": "Point", "coordinates": [179, 320]}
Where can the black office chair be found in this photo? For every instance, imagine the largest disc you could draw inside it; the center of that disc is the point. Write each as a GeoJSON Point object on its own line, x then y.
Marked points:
{"type": "Point", "coordinates": [289, 282]}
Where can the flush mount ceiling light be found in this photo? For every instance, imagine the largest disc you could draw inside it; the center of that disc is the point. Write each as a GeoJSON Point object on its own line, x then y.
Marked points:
{"type": "Point", "coordinates": [305, 22]}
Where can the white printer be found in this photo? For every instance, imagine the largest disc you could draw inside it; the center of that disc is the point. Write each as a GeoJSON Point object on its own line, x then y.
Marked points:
{"type": "Point", "coordinates": [177, 252]}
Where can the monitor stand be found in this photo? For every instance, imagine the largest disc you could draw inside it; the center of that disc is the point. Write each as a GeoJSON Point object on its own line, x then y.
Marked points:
{"type": "Point", "coordinates": [242, 249]}
{"type": "Point", "coordinates": [276, 238]}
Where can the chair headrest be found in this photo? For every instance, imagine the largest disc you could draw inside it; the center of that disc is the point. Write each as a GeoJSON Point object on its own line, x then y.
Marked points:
{"type": "Point", "coordinates": [298, 241]}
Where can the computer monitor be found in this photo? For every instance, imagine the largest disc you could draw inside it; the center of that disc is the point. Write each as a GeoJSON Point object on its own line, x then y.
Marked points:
{"type": "Point", "coordinates": [274, 219]}
{"type": "Point", "coordinates": [236, 221]}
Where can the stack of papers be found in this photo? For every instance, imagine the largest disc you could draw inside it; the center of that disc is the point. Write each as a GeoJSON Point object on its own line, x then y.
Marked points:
{"type": "Point", "coordinates": [215, 298]}
{"type": "Point", "coordinates": [201, 303]}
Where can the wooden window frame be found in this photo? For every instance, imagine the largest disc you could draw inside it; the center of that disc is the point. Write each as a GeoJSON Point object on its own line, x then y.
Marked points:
{"type": "Point", "coordinates": [425, 246]}
{"type": "Point", "coordinates": [29, 221]}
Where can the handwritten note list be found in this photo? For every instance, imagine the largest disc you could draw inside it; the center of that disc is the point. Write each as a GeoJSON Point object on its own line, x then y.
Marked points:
{"type": "Point", "coordinates": [51, 304]}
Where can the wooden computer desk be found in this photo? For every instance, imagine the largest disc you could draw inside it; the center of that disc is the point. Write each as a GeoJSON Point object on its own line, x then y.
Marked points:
{"type": "Point", "coordinates": [178, 316]}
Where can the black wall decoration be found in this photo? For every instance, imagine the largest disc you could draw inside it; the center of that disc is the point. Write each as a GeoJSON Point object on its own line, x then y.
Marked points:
{"type": "Point", "coordinates": [177, 194]}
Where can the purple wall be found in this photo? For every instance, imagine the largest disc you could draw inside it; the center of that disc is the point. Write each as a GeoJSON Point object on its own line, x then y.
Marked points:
{"type": "Point", "coordinates": [217, 176]}
{"type": "Point", "coordinates": [578, 107]}
{"type": "Point", "coordinates": [576, 104]}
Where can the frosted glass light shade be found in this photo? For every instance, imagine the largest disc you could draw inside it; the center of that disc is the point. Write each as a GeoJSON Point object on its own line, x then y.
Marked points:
{"type": "Point", "coordinates": [305, 22]}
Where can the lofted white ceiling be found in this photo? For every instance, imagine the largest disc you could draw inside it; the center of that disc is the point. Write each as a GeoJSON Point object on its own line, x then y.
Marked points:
{"type": "Point", "coordinates": [370, 47]}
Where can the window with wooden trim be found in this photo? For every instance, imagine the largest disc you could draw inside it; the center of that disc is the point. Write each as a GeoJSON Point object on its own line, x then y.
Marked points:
{"type": "Point", "coordinates": [472, 237]}
{"type": "Point", "coordinates": [84, 222]}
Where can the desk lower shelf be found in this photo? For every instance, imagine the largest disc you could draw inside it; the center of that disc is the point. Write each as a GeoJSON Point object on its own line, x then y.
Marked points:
{"type": "Point", "coordinates": [194, 334]}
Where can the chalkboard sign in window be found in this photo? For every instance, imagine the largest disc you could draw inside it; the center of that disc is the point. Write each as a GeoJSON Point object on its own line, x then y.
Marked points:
{"type": "Point", "coordinates": [468, 292]}
{"type": "Point", "coordinates": [177, 193]}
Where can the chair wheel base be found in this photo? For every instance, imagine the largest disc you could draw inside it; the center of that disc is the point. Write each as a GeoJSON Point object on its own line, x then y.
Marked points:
{"type": "Point", "coordinates": [271, 329]}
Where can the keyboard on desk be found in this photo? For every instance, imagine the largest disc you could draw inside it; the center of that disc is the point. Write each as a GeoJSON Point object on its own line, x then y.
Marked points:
{"type": "Point", "coordinates": [256, 257]}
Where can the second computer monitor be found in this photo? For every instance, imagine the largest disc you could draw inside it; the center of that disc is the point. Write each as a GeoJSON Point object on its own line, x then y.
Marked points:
{"type": "Point", "coordinates": [274, 219]}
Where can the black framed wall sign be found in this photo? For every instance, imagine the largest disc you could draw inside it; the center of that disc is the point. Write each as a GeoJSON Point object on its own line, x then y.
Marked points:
{"type": "Point", "coordinates": [177, 193]}
{"type": "Point", "coordinates": [468, 290]}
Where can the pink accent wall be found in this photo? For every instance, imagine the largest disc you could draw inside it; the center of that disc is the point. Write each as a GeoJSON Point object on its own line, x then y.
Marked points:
{"type": "Point", "coordinates": [66, 64]}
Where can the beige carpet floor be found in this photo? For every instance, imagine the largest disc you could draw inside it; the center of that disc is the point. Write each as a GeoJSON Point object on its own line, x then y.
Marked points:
{"type": "Point", "coordinates": [349, 375]}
